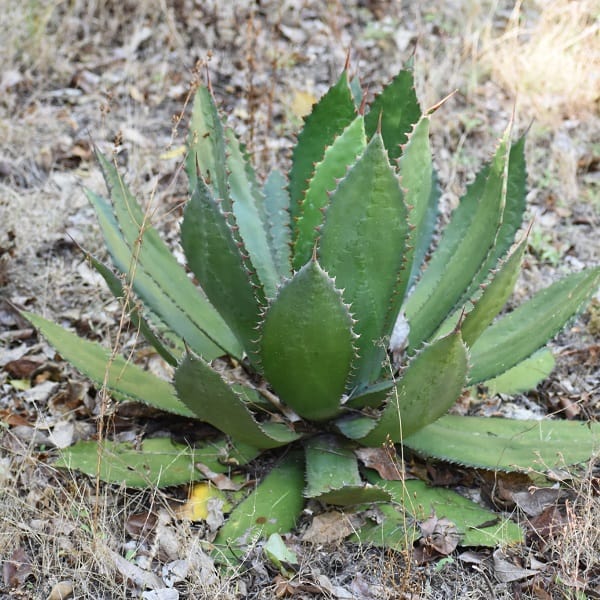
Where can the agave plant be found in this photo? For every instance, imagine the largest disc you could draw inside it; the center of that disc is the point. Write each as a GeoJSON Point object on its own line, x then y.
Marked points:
{"type": "Point", "coordinates": [323, 321]}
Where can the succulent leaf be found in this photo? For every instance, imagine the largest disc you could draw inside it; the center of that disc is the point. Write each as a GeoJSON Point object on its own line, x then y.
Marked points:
{"type": "Point", "coordinates": [329, 117]}
{"type": "Point", "coordinates": [332, 474]}
{"type": "Point", "coordinates": [362, 245]}
{"type": "Point", "coordinates": [214, 401]}
{"type": "Point", "coordinates": [422, 501]}
{"type": "Point", "coordinates": [424, 234]}
{"type": "Point", "coordinates": [494, 295]}
{"type": "Point", "coordinates": [512, 214]}
{"type": "Point", "coordinates": [430, 385]}
{"type": "Point", "coordinates": [307, 369]}
{"type": "Point", "coordinates": [115, 285]}
{"type": "Point", "coordinates": [159, 280]}
{"type": "Point", "coordinates": [337, 159]}
{"type": "Point", "coordinates": [277, 209]}
{"type": "Point", "coordinates": [215, 258]}
{"type": "Point", "coordinates": [445, 280]}
{"type": "Point", "coordinates": [506, 444]}
{"type": "Point", "coordinates": [523, 377]}
{"type": "Point", "coordinates": [119, 375]}
{"type": "Point", "coordinates": [156, 462]}
{"type": "Point", "coordinates": [249, 211]}
{"type": "Point", "coordinates": [517, 335]}
{"type": "Point", "coordinates": [273, 507]}
{"type": "Point", "coordinates": [398, 110]}
{"type": "Point", "coordinates": [207, 148]}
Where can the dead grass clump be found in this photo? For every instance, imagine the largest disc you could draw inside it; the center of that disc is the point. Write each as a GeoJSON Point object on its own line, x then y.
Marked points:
{"type": "Point", "coordinates": [549, 57]}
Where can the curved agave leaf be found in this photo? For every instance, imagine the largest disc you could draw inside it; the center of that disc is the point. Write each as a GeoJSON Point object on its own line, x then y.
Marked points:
{"type": "Point", "coordinates": [445, 286]}
{"type": "Point", "coordinates": [307, 369]}
{"type": "Point", "coordinates": [337, 159]}
{"type": "Point", "coordinates": [517, 335]}
{"type": "Point", "coordinates": [119, 375]}
{"type": "Point", "coordinates": [216, 259]}
{"type": "Point", "coordinates": [332, 474]}
{"type": "Point", "coordinates": [430, 385]}
{"type": "Point", "coordinates": [362, 245]}
{"type": "Point", "coordinates": [115, 285]}
{"type": "Point", "coordinates": [523, 377]}
{"type": "Point", "coordinates": [207, 148]}
{"type": "Point", "coordinates": [212, 400]}
{"type": "Point", "coordinates": [189, 314]}
{"type": "Point", "coordinates": [329, 117]}
{"type": "Point", "coordinates": [249, 211]}
{"type": "Point", "coordinates": [507, 444]}
{"type": "Point", "coordinates": [397, 108]}
{"type": "Point", "coordinates": [494, 296]}
{"type": "Point", "coordinates": [476, 526]}
{"type": "Point", "coordinates": [277, 211]}
{"type": "Point", "coordinates": [273, 507]}
{"type": "Point", "coordinates": [156, 462]}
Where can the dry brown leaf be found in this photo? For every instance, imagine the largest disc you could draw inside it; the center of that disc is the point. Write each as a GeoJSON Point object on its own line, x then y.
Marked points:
{"type": "Point", "coordinates": [439, 537]}
{"type": "Point", "coordinates": [17, 569]}
{"type": "Point", "coordinates": [506, 571]}
{"type": "Point", "coordinates": [140, 524]}
{"type": "Point", "coordinates": [534, 502]}
{"type": "Point", "coordinates": [383, 460]}
{"type": "Point", "coordinates": [220, 480]}
{"type": "Point", "coordinates": [328, 528]}
{"type": "Point", "coordinates": [63, 590]}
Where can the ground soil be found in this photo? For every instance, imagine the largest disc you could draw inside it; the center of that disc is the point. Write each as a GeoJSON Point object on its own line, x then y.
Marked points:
{"type": "Point", "coordinates": [117, 75]}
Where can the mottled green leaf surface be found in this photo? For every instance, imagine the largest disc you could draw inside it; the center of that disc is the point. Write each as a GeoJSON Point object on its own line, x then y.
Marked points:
{"type": "Point", "coordinates": [152, 462]}
{"type": "Point", "coordinates": [307, 369]}
{"type": "Point", "coordinates": [119, 375]}
{"type": "Point", "coordinates": [362, 245]}
{"type": "Point", "coordinates": [505, 444]}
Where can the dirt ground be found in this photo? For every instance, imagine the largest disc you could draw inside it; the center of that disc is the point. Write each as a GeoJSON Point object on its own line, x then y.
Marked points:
{"type": "Point", "coordinates": [117, 75]}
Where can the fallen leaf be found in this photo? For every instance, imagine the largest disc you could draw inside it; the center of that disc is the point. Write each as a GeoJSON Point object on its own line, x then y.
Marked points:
{"type": "Point", "coordinates": [383, 460]}
{"type": "Point", "coordinates": [22, 368]}
{"type": "Point", "coordinates": [534, 502]}
{"type": "Point", "coordinates": [61, 591]}
{"type": "Point", "coordinates": [141, 524]}
{"type": "Point", "coordinates": [328, 527]}
{"type": "Point", "coordinates": [220, 480]}
{"type": "Point", "coordinates": [302, 103]}
{"type": "Point", "coordinates": [506, 571]}
{"type": "Point", "coordinates": [196, 507]}
{"type": "Point", "coordinates": [17, 569]}
{"type": "Point", "coordinates": [547, 524]}
{"type": "Point", "coordinates": [439, 537]}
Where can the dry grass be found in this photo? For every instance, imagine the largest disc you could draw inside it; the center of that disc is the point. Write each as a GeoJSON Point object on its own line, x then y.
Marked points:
{"type": "Point", "coordinates": [548, 56]}
{"type": "Point", "coordinates": [129, 64]}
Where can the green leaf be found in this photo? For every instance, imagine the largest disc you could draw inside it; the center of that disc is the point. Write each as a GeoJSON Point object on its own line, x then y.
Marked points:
{"type": "Point", "coordinates": [494, 296]}
{"type": "Point", "coordinates": [273, 507]}
{"type": "Point", "coordinates": [507, 445]}
{"type": "Point", "coordinates": [332, 474]}
{"type": "Point", "coordinates": [329, 117]}
{"type": "Point", "coordinates": [154, 462]}
{"type": "Point", "coordinates": [472, 521]}
{"type": "Point", "coordinates": [215, 258]}
{"type": "Point", "coordinates": [445, 284]}
{"type": "Point", "coordinates": [119, 375]}
{"type": "Point", "coordinates": [398, 108]}
{"type": "Point", "coordinates": [517, 335]}
{"type": "Point", "coordinates": [392, 528]}
{"type": "Point", "coordinates": [214, 401]}
{"type": "Point", "coordinates": [416, 172]}
{"type": "Point", "coordinates": [277, 209]}
{"type": "Point", "coordinates": [430, 385]}
{"type": "Point", "coordinates": [512, 214]}
{"type": "Point", "coordinates": [424, 234]}
{"type": "Point", "coordinates": [362, 245]}
{"type": "Point", "coordinates": [248, 209]}
{"type": "Point", "coordinates": [194, 318]}
{"type": "Point", "coordinates": [307, 369]}
{"type": "Point", "coordinates": [115, 285]}
{"type": "Point", "coordinates": [336, 161]}
{"type": "Point", "coordinates": [207, 149]}
{"type": "Point", "coordinates": [278, 553]}
{"type": "Point", "coordinates": [523, 377]}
